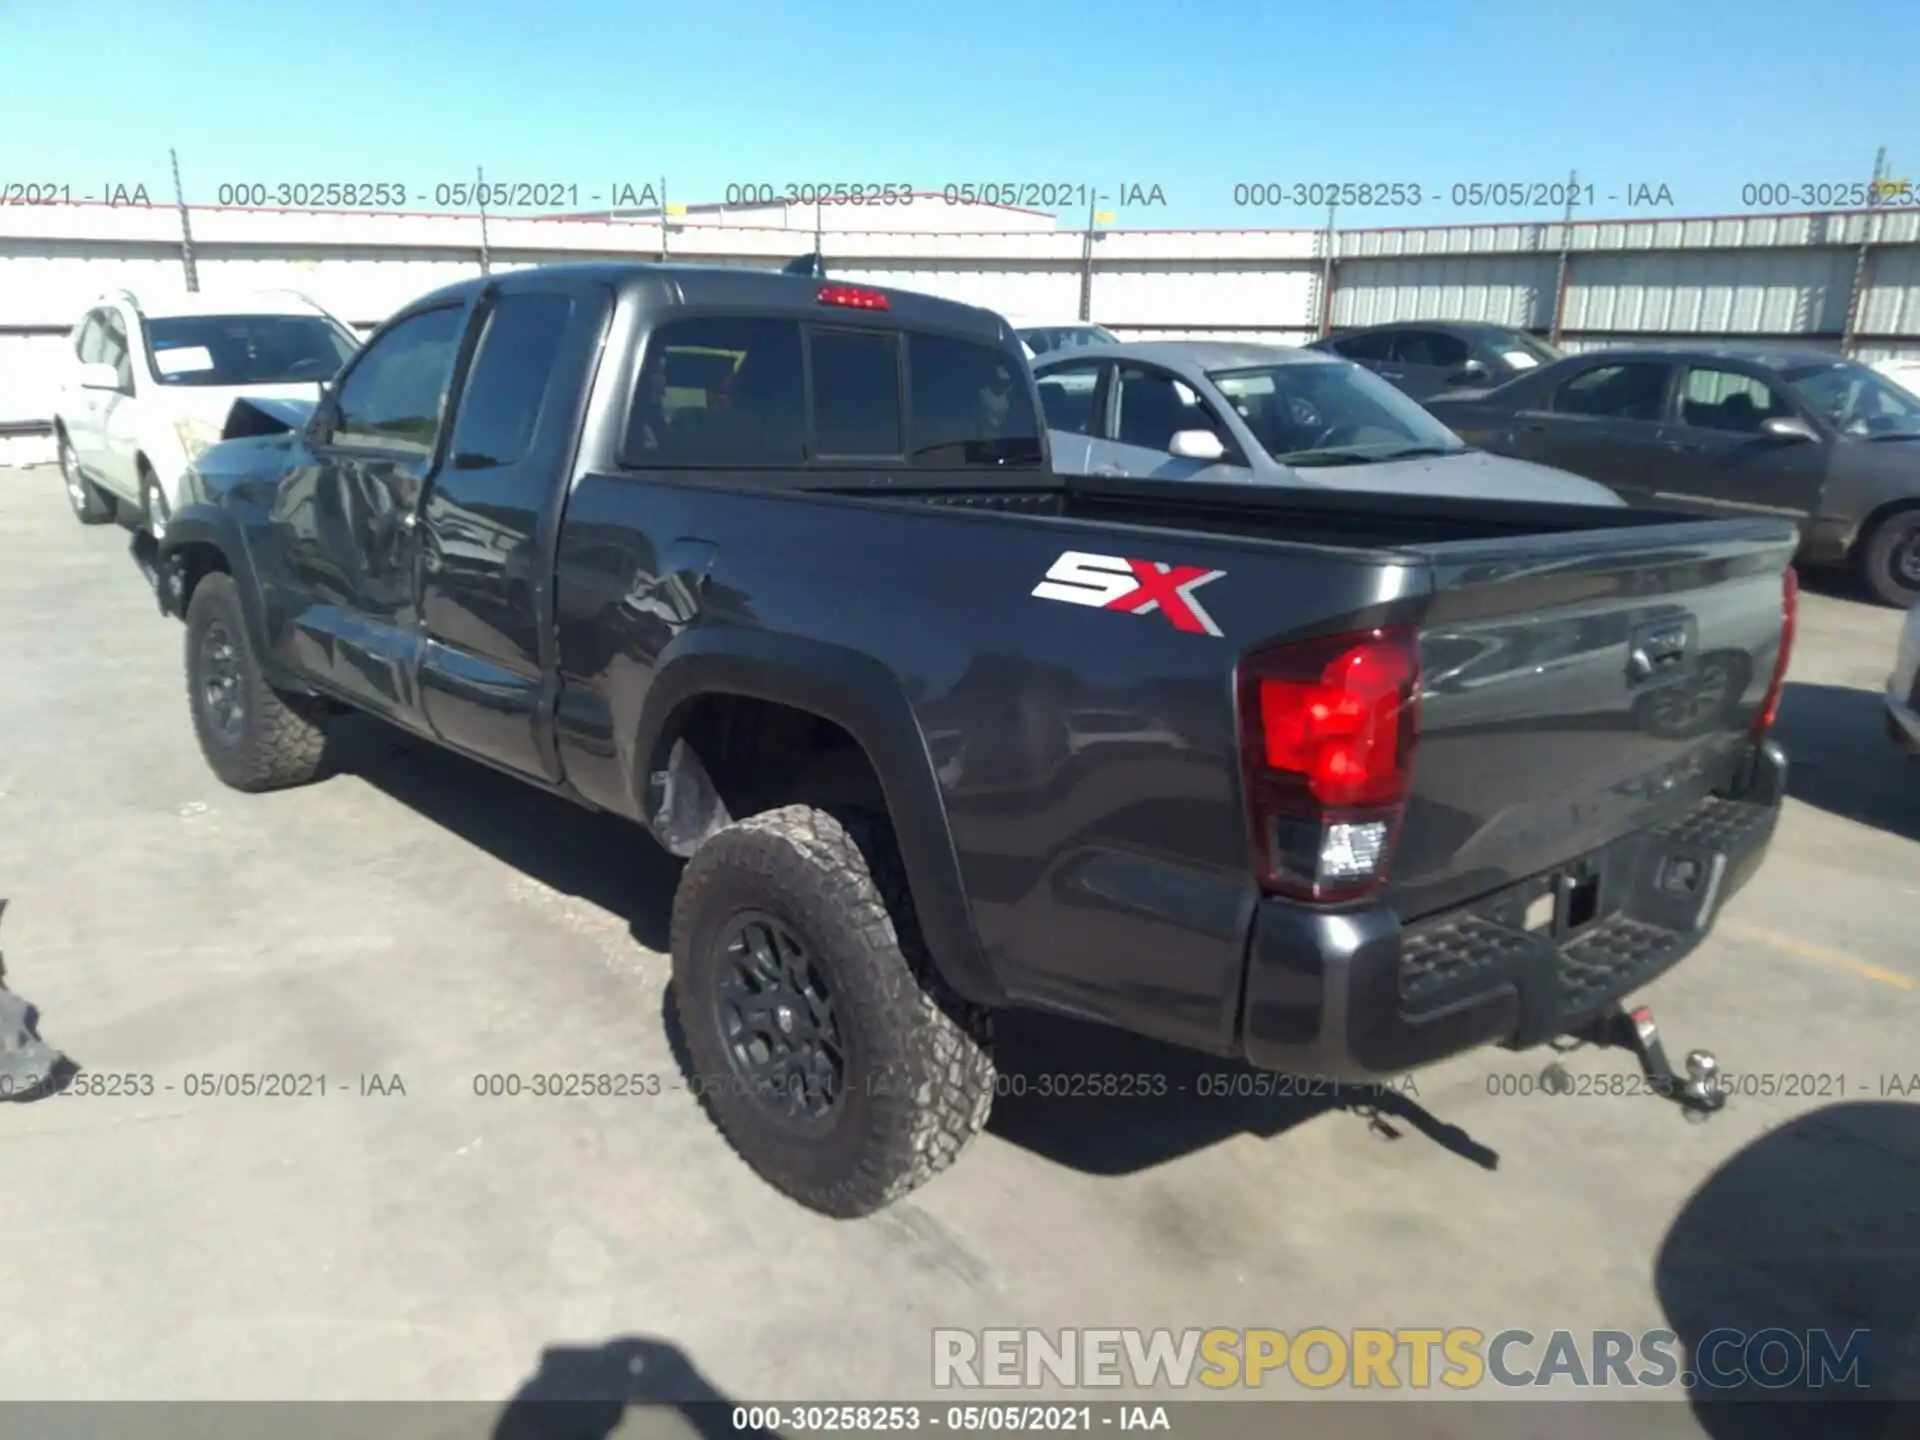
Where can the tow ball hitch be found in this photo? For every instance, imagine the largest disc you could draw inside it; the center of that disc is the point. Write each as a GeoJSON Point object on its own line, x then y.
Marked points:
{"type": "Point", "coordinates": [1698, 1093]}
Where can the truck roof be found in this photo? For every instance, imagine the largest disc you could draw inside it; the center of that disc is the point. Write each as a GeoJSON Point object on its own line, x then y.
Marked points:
{"type": "Point", "coordinates": [770, 292]}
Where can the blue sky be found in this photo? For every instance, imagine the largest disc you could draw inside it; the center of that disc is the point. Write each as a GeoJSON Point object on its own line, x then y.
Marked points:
{"type": "Point", "coordinates": [1193, 96]}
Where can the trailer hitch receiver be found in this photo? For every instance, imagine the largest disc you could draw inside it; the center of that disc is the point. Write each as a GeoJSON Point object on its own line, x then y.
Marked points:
{"type": "Point", "coordinates": [1698, 1093]}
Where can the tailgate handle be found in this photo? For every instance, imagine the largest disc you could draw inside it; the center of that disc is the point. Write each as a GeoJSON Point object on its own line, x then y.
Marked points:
{"type": "Point", "coordinates": [1660, 648]}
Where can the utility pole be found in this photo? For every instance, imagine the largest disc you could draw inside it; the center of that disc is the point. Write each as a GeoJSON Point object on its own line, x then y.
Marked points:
{"type": "Point", "coordinates": [1086, 261]}
{"type": "Point", "coordinates": [480, 188]}
{"type": "Point", "coordinates": [186, 228]}
{"type": "Point", "coordinates": [1565, 270]}
{"type": "Point", "coordinates": [664, 212]}
{"type": "Point", "coordinates": [1326, 274]}
{"type": "Point", "coordinates": [1863, 257]}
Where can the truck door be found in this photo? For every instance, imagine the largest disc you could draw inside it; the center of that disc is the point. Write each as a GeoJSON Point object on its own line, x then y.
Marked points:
{"type": "Point", "coordinates": [488, 522]}
{"type": "Point", "coordinates": [347, 516]}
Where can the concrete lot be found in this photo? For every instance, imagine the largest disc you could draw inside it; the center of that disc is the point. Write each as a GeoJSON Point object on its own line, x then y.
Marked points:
{"type": "Point", "coordinates": [421, 918]}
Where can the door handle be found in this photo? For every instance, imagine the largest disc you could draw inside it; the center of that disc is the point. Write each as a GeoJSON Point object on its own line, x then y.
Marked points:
{"type": "Point", "coordinates": [1112, 470]}
{"type": "Point", "coordinates": [1685, 448]}
{"type": "Point", "coordinates": [1534, 429]}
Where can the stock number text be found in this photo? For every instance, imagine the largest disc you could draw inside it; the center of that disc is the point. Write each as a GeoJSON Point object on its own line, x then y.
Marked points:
{"type": "Point", "coordinates": [824, 192]}
{"type": "Point", "coordinates": [1828, 195]}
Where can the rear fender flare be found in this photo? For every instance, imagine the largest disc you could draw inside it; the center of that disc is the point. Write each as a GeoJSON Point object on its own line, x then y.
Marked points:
{"type": "Point", "coordinates": [864, 698]}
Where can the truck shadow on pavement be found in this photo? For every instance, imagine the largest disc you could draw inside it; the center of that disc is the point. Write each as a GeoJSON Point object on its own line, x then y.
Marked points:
{"type": "Point", "coordinates": [1808, 1229]}
{"type": "Point", "coordinates": [1109, 1102]}
{"type": "Point", "coordinates": [1842, 760]}
{"type": "Point", "coordinates": [603, 859]}
{"type": "Point", "coordinates": [1056, 1097]}
{"type": "Point", "coordinates": [587, 1393]}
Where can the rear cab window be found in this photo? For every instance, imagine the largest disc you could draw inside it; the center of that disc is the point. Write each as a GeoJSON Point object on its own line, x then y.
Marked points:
{"type": "Point", "coordinates": [728, 393]}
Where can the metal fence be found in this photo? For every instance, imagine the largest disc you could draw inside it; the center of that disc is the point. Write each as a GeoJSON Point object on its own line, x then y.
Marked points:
{"type": "Point", "coordinates": [1847, 280]}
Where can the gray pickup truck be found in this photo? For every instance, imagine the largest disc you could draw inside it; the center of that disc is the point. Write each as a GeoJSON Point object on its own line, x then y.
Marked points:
{"type": "Point", "coordinates": [1334, 783]}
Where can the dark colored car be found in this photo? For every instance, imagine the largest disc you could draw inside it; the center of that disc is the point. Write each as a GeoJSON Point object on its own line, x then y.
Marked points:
{"type": "Point", "coordinates": [1334, 783]}
{"type": "Point", "coordinates": [1757, 430]}
{"type": "Point", "coordinates": [1431, 357]}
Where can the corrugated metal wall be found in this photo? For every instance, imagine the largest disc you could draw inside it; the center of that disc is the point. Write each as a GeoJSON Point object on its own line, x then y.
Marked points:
{"type": "Point", "coordinates": [1742, 292]}
{"type": "Point", "coordinates": [1625, 279]}
{"type": "Point", "coordinates": [1503, 290]}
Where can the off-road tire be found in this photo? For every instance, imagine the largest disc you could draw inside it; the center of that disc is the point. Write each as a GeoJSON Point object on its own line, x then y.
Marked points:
{"type": "Point", "coordinates": [90, 505]}
{"type": "Point", "coordinates": [919, 1074]}
{"type": "Point", "coordinates": [281, 740]}
{"type": "Point", "coordinates": [1888, 538]}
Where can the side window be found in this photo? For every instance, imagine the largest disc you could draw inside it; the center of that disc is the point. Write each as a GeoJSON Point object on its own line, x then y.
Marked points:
{"type": "Point", "coordinates": [1365, 347]}
{"type": "Point", "coordinates": [86, 342]}
{"type": "Point", "coordinates": [394, 396]}
{"type": "Point", "coordinates": [1154, 407]}
{"type": "Point", "coordinates": [507, 384]}
{"type": "Point", "coordinates": [113, 347]}
{"type": "Point", "coordinates": [967, 404]}
{"type": "Point", "coordinates": [1067, 395]}
{"type": "Point", "coordinates": [1635, 390]}
{"type": "Point", "coordinates": [1430, 347]}
{"type": "Point", "coordinates": [1728, 400]}
{"type": "Point", "coordinates": [719, 393]}
{"type": "Point", "coordinates": [856, 393]}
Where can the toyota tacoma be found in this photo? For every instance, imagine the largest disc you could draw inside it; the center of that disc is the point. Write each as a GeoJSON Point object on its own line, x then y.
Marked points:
{"type": "Point", "coordinates": [1332, 783]}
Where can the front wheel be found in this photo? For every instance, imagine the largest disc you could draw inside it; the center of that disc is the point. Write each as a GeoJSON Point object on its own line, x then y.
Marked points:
{"type": "Point", "coordinates": [822, 1044]}
{"type": "Point", "coordinates": [154, 510]}
{"type": "Point", "coordinates": [1890, 560]}
{"type": "Point", "coordinates": [254, 737]}
{"type": "Point", "coordinates": [90, 507]}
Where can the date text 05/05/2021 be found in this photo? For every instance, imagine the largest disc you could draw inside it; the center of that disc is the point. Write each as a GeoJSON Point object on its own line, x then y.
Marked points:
{"type": "Point", "coordinates": [223, 1085]}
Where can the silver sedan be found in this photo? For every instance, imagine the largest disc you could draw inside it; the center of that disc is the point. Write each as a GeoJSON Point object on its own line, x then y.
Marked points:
{"type": "Point", "coordinates": [1268, 414]}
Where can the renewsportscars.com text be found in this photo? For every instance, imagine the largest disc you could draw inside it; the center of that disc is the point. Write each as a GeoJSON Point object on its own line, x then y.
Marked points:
{"type": "Point", "coordinates": [1458, 1358]}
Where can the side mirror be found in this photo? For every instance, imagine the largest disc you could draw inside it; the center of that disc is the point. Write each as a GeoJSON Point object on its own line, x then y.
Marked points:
{"type": "Point", "coordinates": [1790, 428]}
{"type": "Point", "coordinates": [99, 376]}
{"type": "Point", "coordinates": [1474, 372]}
{"type": "Point", "coordinates": [1196, 445]}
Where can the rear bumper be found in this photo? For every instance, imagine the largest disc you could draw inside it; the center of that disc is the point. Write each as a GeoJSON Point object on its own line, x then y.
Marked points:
{"type": "Point", "coordinates": [1357, 996]}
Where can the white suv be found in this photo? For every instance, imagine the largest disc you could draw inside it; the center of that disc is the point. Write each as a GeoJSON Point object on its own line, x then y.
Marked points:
{"type": "Point", "coordinates": [149, 386]}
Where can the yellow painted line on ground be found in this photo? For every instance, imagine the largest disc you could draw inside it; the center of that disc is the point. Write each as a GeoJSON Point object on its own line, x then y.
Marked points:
{"type": "Point", "coordinates": [1823, 955]}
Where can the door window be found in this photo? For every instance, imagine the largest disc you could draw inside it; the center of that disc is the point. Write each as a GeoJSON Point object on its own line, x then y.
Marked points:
{"type": "Point", "coordinates": [720, 393]}
{"type": "Point", "coordinates": [1729, 400]}
{"type": "Point", "coordinates": [87, 343]}
{"type": "Point", "coordinates": [1430, 347]}
{"type": "Point", "coordinates": [1154, 407]}
{"type": "Point", "coordinates": [1375, 346]}
{"type": "Point", "coordinates": [1067, 395]}
{"type": "Point", "coordinates": [395, 394]}
{"type": "Point", "coordinates": [507, 386]}
{"type": "Point", "coordinates": [113, 347]}
{"type": "Point", "coordinates": [1633, 390]}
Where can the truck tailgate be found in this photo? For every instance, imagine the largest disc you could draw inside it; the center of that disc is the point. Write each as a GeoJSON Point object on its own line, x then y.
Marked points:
{"type": "Point", "coordinates": [1579, 687]}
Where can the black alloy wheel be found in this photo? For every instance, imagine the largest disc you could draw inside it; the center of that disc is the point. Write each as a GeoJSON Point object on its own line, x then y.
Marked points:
{"type": "Point", "coordinates": [783, 1040]}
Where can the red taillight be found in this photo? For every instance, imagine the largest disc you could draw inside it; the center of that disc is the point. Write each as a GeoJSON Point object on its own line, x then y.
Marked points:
{"type": "Point", "coordinates": [853, 297]}
{"type": "Point", "coordinates": [1328, 728]}
{"type": "Point", "coordinates": [1789, 613]}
